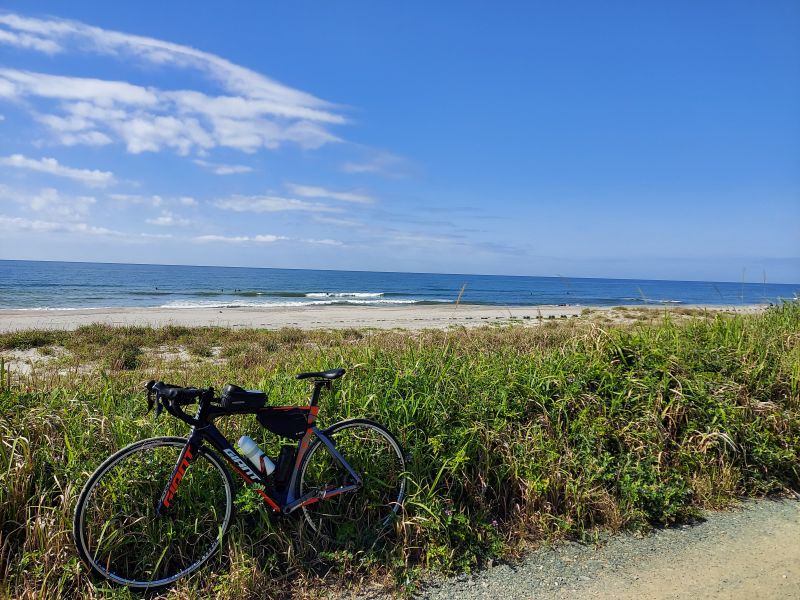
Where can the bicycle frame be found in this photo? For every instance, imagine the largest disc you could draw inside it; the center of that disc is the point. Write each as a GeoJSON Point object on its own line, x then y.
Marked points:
{"type": "Point", "coordinates": [283, 503]}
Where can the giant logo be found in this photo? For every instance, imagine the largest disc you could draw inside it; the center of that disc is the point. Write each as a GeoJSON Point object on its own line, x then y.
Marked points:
{"type": "Point", "coordinates": [241, 464]}
{"type": "Point", "coordinates": [173, 486]}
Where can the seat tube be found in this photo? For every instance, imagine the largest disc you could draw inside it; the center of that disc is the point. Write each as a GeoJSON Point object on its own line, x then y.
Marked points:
{"type": "Point", "coordinates": [318, 385]}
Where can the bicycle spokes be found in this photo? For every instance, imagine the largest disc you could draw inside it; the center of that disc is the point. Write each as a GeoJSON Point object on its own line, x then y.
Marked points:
{"type": "Point", "coordinates": [361, 516]}
{"type": "Point", "coordinates": [126, 536]}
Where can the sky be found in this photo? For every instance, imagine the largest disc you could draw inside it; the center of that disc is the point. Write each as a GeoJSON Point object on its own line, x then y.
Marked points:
{"type": "Point", "coordinates": [583, 139]}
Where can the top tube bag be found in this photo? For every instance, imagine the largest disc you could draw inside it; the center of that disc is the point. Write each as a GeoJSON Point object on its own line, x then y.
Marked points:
{"type": "Point", "coordinates": [239, 400]}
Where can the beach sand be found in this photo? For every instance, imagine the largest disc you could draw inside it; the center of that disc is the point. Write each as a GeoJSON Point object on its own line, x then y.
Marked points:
{"type": "Point", "coordinates": [312, 317]}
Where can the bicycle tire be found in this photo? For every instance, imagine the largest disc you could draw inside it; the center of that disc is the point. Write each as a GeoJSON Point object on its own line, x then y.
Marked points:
{"type": "Point", "coordinates": [368, 531]}
{"type": "Point", "coordinates": [89, 555]}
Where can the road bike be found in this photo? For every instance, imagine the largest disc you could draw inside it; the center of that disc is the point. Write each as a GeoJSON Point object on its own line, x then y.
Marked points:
{"type": "Point", "coordinates": [158, 509]}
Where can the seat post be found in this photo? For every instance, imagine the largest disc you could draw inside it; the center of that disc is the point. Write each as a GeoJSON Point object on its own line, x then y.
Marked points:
{"type": "Point", "coordinates": [318, 385]}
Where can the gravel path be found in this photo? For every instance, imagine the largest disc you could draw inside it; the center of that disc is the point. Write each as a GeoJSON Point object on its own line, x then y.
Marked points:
{"type": "Point", "coordinates": [749, 553]}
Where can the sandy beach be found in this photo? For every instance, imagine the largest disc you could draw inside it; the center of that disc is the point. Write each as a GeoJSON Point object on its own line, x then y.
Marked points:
{"type": "Point", "coordinates": [311, 317]}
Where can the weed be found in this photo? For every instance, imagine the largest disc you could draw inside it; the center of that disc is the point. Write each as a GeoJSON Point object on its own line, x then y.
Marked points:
{"type": "Point", "coordinates": [514, 433]}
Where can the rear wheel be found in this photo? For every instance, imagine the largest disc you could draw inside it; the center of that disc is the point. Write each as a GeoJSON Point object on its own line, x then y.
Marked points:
{"type": "Point", "coordinates": [362, 517]}
{"type": "Point", "coordinates": [116, 528]}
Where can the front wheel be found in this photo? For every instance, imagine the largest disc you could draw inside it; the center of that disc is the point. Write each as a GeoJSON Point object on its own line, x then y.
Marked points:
{"type": "Point", "coordinates": [117, 529]}
{"type": "Point", "coordinates": [361, 517]}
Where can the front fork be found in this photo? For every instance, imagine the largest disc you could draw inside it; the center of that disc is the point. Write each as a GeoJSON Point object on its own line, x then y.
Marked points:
{"type": "Point", "coordinates": [186, 457]}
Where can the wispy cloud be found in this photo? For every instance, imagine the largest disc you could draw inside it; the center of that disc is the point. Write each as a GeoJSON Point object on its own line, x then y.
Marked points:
{"type": "Point", "coordinates": [222, 169]}
{"type": "Point", "coordinates": [153, 200]}
{"type": "Point", "coordinates": [232, 77]}
{"type": "Point", "coordinates": [262, 239]}
{"type": "Point", "coordinates": [50, 202]}
{"type": "Point", "coordinates": [261, 204]}
{"type": "Point", "coordinates": [253, 111]}
{"type": "Point", "coordinates": [168, 219]}
{"type": "Point", "coordinates": [448, 240]}
{"type": "Point", "coordinates": [16, 224]}
{"type": "Point", "coordinates": [240, 239]}
{"type": "Point", "coordinates": [379, 163]}
{"type": "Point", "coordinates": [312, 191]}
{"type": "Point", "coordinates": [323, 242]}
{"type": "Point", "coordinates": [24, 40]}
{"type": "Point", "coordinates": [51, 166]}
{"type": "Point", "coordinates": [338, 222]}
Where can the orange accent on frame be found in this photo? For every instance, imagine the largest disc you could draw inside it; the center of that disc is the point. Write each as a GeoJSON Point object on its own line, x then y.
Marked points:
{"type": "Point", "coordinates": [179, 473]}
{"type": "Point", "coordinates": [272, 504]}
{"type": "Point", "coordinates": [269, 501]}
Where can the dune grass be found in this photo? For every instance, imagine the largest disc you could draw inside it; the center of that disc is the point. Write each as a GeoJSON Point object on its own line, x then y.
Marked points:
{"type": "Point", "coordinates": [516, 435]}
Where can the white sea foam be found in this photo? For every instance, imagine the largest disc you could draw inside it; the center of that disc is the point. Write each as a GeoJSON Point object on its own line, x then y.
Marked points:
{"type": "Point", "coordinates": [51, 308]}
{"type": "Point", "coordinates": [344, 295]}
{"type": "Point", "coordinates": [295, 304]}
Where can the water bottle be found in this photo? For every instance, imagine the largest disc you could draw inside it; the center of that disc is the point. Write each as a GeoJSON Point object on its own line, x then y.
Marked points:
{"type": "Point", "coordinates": [256, 456]}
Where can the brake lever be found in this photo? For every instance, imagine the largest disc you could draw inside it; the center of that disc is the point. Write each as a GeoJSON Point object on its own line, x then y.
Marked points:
{"type": "Point", "coordinates": [151, 402]}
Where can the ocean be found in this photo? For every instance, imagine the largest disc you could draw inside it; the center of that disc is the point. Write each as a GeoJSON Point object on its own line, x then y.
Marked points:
{"type": "Point", "coordinates": [65, 285]}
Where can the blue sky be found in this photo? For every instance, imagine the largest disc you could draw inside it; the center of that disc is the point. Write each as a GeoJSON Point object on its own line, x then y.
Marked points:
{"type": "Point", "coordinates": [619, 139]}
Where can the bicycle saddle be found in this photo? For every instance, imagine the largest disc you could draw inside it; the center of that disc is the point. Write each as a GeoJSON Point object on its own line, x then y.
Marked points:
{"type": "Point", "coordinates": [332, 374]}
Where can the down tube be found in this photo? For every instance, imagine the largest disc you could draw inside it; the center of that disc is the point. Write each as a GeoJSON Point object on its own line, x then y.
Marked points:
{"type": "Point", "coordinates": [239, 463]}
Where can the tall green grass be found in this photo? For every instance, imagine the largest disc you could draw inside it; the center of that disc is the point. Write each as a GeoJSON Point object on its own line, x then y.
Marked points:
{"type": "Point", "coordinates": [515, 435]}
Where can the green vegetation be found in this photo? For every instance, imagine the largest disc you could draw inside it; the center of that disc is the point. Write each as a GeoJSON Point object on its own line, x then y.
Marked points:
{"type": "Point", "coordinates": [516, 434]}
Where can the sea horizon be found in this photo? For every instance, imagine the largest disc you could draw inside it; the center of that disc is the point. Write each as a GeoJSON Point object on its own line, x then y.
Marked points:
{"type": "Point", "coordinates": [63, 285]}
{"type": "Point", "coordinates": [144, 264]}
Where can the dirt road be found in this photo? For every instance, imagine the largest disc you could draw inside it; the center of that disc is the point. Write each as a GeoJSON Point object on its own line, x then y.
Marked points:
{"type": "Point", "coordinates": [750, 553]}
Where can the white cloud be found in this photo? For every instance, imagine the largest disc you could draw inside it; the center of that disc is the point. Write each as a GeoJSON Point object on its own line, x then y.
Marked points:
{"type": "Point", "coordinates": [270, 204]}
{"type": "Point", "coordinates": [95, 40]}
{"type": "Point", "coordinates": [50, 202]}
{"type": "Point", "coordinates": [98, 92]}
{"type": "Point", "coordinates": [253, 111]}
{"type": "Point", "coordinates": [260, 239]}
{"type": "Point", "coordinates": [379, 163]}
{"type": "Point", "coordinates": [17, 224]}
{"type": "Point", "coordinates": [324, 242]}
{"type": "Point", "coordinates": [153, 200]}
{"type": "Point", "coordinates": [40, 227]}
{"type": "Point", "coordinates": [221, 169]}
{"type": "Point", "coordinates": [338, 222]}
{"type": "Point", "coordinates": [51, 166]}
{"type": "Point", "coordinates": [151, 133]}
{"type": "Point", "coordinates": [73, 130]}
{"type": "Point", "coordinates": [168, 219]}
{"type": "Point", "coordinates": [24, 40]}
{"type": "Point", "coordinates": [84, 138]}
{"type": "Point", "coordinates": [311, 191]}
{"type": "Point", "coordinates": [241, 239]}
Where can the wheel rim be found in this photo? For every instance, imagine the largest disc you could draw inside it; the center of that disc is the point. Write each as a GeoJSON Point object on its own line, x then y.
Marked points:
{"type": "Point", "coordinates": [123, 538]}
{"type": "Point", "coordinates": [362, 517]}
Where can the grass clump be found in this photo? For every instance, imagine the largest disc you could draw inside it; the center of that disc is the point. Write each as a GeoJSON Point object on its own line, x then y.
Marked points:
{"type": "Point", "coordinates": [515, 435]}
{"type": "Point", "coordinates": [124, 355]}
{"type": "Point", "coordinates": [34, 338]}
